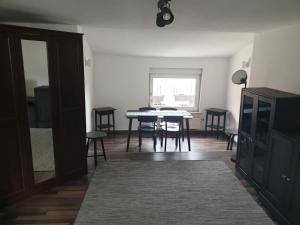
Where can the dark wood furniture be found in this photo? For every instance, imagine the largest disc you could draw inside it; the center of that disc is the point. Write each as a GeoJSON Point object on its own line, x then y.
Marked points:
{"type": "Point", "coordinates": [146, 108]}
{"type": "Point", "coordinates": [214, 112]}
{"type": "Point", "coordinates": [134, 114]}
{"type": "Point", "coordinates": [144, 127]}
{"type": "Point", "coordinates": [267, 154]}
{"type": "Point", "coordinates": [66, 78]}
{"type": "Point", "coordinates": [144, 124]}
{"type": "Point", "coordinates": [231, 133]}
{"type": "Point", "coordinates": [181, 125]}
{"type": "Point", "coordinates": [94, 136]}
{"type": "Point", "coordinates": [171, 130]}
{"type": "Point", "coordinates": [105, 111]}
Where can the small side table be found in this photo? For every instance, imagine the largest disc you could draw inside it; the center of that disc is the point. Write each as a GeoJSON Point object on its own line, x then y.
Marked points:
{"type": "Point", "coordinates": [232, 133]}
{"type": "Point", "coordinates": [105, 111]}
{"type": "Point", "coordinates": [214, 112]}
{"type": "Point", "coordinates": [94, 136]}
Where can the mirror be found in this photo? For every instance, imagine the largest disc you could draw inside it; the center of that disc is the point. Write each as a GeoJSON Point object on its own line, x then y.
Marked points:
{"type": "Point", "coordinates": [35, 62]}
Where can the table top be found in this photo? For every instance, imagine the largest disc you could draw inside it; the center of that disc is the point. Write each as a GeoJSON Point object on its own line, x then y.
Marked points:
{"type": "Point", "coordinates": [104, 109]}
{"type": "Point", "coordinates": [158, 113]}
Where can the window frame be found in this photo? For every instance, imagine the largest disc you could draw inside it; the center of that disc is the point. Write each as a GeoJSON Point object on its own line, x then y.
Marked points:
{"type": "Point", "coordinates": [177, 73]}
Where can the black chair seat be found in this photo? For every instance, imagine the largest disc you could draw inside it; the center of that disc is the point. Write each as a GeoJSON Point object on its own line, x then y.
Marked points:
{"type": "Point", "coordinates": [172, 128]}
{"type": "Point", "coordinates": [96, 134]}
{"type": "Point", "coordinates": [174, 131]}
{"type": "Point", "coordinates": [144, 127]}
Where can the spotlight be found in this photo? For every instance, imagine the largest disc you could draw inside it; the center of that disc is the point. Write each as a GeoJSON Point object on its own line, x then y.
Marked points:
{"type": "Point", "coordinates": [164, 15]}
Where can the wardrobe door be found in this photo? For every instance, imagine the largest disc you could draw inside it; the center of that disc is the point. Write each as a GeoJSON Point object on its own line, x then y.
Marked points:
{"type": "Point", "coordinates": [67, 59]}
{"type": "Point", "coordinates": [14, 176]}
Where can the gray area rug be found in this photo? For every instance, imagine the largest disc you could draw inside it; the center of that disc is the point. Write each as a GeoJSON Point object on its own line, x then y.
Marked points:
{"type": "Point", "coordinates": [168, 192]}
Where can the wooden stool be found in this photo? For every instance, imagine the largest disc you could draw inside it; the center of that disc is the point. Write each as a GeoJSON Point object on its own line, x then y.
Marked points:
{"type": "Point", "coordinates": [94, 136]}
{"type": "Point", "coordinates": [218, 113]}
{"type": "Point", "coordinates": [231, 133]}
{"type": "Point", "coordinates": [105, 111]}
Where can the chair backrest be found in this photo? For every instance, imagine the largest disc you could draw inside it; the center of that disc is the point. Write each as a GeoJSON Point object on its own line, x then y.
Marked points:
{"type": "Point", "coordinates": [168, 108]}
{"type": "Point", "coordinates": [146, 108]}
{"type": "Point", "coordinates": [147, 119]}
{"type": "Point", "coordinates": [173, 119]}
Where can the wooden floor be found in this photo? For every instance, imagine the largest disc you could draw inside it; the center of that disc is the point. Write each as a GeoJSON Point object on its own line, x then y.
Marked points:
{"type": "Point", "coordinates": [60, 205]}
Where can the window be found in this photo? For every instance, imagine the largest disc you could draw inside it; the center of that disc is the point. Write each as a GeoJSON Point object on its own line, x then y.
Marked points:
{"type": "Point", "coordinates": [179, 88]}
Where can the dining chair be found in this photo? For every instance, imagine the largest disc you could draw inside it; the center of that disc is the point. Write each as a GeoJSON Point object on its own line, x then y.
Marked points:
{"type": "Point", "coordinates": [172, 131]}
{"type": "Point", "coordinates": [147, 129]}
{"type": "Point", "coordinates": [144, 109]}
{"type": "Point", "coordinates": [162, 122]}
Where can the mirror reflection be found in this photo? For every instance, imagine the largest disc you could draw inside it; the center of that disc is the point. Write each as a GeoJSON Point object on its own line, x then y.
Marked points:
{"type": "Point", "coordinates": [39, 108]}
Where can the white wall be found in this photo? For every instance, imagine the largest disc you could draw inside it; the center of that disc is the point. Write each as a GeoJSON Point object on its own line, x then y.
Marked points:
{"type": "Point", "coordinates": [276, 59]}
{"type": "Point", "coordinates": [88, 81]}
{"type": "Point", "coordinates": [233, 99]}
{"type": "Point", "coordinates": [123, 81]}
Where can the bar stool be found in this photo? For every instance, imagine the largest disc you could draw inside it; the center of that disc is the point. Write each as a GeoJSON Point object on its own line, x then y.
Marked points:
{"type": "Point", "coordinates": [105, 111]}
{"type": "Point", "coordinates": [214, 112]}
{"type": "Point", "coordinates": [231, 133]}
{"type": "Point", "coordinates": [94, 136]}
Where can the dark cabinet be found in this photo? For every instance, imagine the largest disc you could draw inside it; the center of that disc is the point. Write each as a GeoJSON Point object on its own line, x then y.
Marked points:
{"type": "Point", "coordinates": [255, 124]}
{"type": "Point", "coordinates": [283, 175]}
{"type": "Point", "coordinates": [66, 114]}
{"type": "Point", "coordinates": [279, 170]}
{"type": "Point", "coordinates": [266, 157]}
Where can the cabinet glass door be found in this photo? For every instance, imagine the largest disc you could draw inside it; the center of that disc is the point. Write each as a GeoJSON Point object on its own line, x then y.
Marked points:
{"type": "Point", "coordinates": [259, 159]}
{"type": "Point", "coordinates": [263, 121]}
{"type": "Point", "coordinates": [247, 114]}
{"type": "Point", "coordinates": [244, 157]}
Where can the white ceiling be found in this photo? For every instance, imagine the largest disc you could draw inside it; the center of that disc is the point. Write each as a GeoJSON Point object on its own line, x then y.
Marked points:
{"type": "Point", "coordinates": [166, 43]}
{"type": "Point", "coordinates": [128, 26]}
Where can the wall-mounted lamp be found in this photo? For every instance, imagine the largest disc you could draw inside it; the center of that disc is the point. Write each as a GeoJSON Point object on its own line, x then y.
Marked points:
{"type": "Point", "coordinates": [246, 64]}
{"type": "Point", "coordinates": [164, 16]}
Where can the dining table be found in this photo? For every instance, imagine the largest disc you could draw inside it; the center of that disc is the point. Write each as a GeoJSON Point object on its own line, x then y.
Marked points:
{"type": "Point", "coordinates": [134, 114]}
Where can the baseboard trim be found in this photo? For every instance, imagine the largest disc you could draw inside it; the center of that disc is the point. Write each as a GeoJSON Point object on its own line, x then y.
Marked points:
{"type": "Point", "coordinates": [192, 132]}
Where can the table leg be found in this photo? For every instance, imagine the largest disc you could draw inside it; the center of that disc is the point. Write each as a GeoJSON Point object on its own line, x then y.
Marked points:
{"type": "Point", "coordinates": [229, 142]}
{"type": "Point", "coordinates": [206, 123]}
{"type": "Point", "coordinates": [103, 149]}
{"type": "Point", "coordinates": [108, 121]}
{"type": "Point", "coordinates": [113, 118]}
{"type": "Point", "coordinates": [218, 127]}
{"type": "Point", "coordinates": [224, 123]}
{"type": "Point", "coordinates": [188, 133]}
{"type": "Point", "coordinates": [96, 121]}
{"type": "Point", "coordinates": [129, 133]}
{"type": "Point", "coordinates": [100, 121]}
{"type": "Point", "coordinates": [212, 123]}
{"type": "Point", "coordinates": [95, 152]}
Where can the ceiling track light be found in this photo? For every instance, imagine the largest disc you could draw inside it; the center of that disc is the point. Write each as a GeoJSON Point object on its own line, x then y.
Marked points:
{"type": "Point", "coordinates": [164, 16]}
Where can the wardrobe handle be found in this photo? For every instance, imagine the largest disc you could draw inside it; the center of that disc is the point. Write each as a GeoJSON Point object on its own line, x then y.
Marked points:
{"type": "Point", "coordinates": [283, 177]}
{"type": "Point", "coordinates": [288, 179]}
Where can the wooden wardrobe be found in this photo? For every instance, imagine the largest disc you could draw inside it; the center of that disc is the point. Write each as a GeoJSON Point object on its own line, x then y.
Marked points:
{"type": "Point", "coordinates": [66, 88]}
